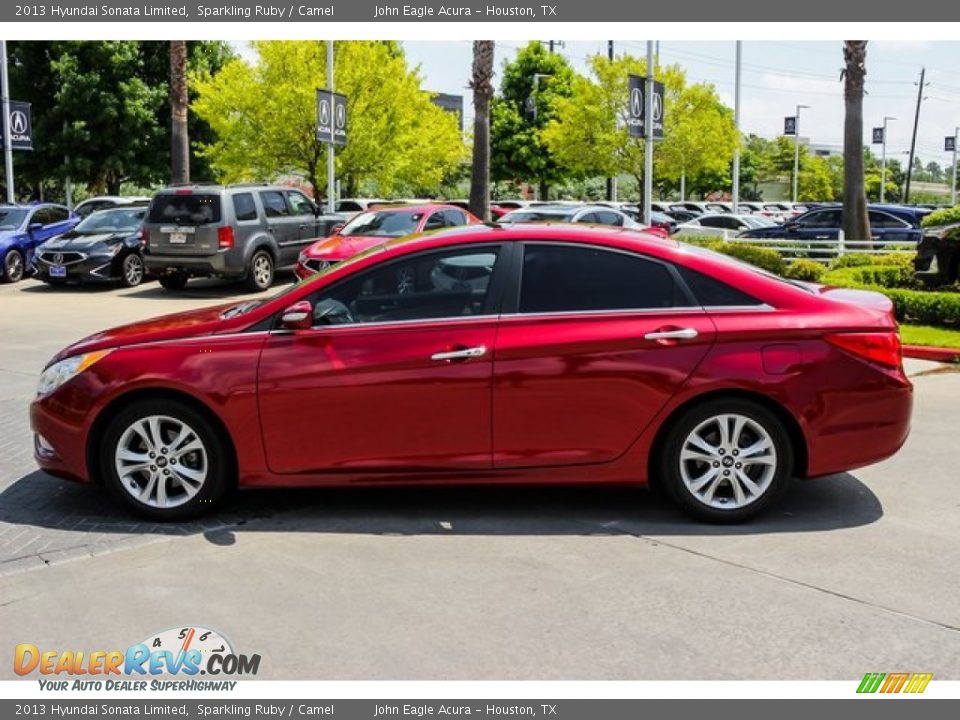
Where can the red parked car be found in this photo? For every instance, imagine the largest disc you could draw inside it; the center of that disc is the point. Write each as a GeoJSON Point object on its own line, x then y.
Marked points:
{"type": "Point", "coordinates": [373, 228]}
{"type": "Point", "coordinates": [484, 354]}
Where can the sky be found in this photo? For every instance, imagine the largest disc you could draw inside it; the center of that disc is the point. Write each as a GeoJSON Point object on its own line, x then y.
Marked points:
{"type": "Point", "coordinates": [777, 76]}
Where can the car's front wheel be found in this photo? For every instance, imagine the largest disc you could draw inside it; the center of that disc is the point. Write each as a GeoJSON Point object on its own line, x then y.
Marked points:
{"type": "Point", "coordinates": [164, 459]}
{"type": "Point", "coordinates": [726, 460]}
{"type": "Point", "coordinates": [131, 270]}
{"type": "Point", "coordinates": [13, 267]}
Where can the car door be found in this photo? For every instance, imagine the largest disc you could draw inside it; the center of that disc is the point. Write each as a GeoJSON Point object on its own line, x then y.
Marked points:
{"type": "Point", "coordinates": [283, 225]}
{"type": "Point", "coordinates": [308, 227]}
{"type": "Point", "coordinates": [816, 225]}
{"type": "Point", "coordinates": [884, 226]}
{"type": "Point", "coordinates": [592, 344]}
{"type": "Point", "coordinates": [399, 383]}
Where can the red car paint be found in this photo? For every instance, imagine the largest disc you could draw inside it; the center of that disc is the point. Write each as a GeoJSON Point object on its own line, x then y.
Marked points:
{"type": "Point", "coordinates": [562, 398]}
{"type": "Point", "coordinates": [339, 247]}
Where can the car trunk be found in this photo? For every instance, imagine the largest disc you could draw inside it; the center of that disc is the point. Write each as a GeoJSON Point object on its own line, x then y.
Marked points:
{"type": "Point", "coordinates": [876, 304]}
{"type": "Point", "coordinates": [184, 224]}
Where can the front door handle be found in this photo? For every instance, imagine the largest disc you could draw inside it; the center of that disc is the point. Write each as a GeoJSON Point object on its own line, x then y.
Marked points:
{"type": "Point", "coordinates": [679, 334]}
{"type": "Point", "coordinates": [464, 354]}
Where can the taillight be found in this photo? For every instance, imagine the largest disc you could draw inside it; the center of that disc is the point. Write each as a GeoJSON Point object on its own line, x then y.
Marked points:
{"type": "Point", "coordinates": [879, 347]}
{"type": "Point", "coordinates": [143, 235]}
{"type": "Point", "coordinates": [225, 237]}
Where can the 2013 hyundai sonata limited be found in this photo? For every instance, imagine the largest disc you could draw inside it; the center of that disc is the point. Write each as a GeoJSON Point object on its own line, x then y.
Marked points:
{"type": "Point", "coordinates": [523, 354]}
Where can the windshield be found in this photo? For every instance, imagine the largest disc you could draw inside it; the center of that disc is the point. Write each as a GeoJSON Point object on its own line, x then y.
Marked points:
{"type": "Point", "coordinates": [382, 224]}
{"type": "Point", "coordinates": [757, 221]}
{"type": "Point", "coordinates": [112, 221]}
{"type": "Point", "coordinates": [536, 216]}
{"type": "Point", "coordinates": [11, 218]}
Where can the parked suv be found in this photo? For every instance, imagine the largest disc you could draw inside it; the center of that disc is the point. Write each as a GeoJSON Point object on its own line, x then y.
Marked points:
{"type": "Point", "coordinates": [242, 232]}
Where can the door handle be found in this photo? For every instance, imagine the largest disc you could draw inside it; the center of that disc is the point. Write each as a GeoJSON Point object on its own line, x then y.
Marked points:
{"type": "Point", "coordinates": [464, 354]}
{"type": "Point", "coordinates": [680, 334]}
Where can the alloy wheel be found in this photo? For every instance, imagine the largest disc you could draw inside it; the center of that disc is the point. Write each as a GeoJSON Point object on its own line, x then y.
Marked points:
{"type": "Point", "coordinates": [728, 461]}
{"type": "Point", "coordinates": [132, 270]}
{"type": "Point", "coordinates": [161, 461]}
{"type": "Point", "coordinates": [262, 271]}
{"type": "Point", "coordinates": [13, 266]}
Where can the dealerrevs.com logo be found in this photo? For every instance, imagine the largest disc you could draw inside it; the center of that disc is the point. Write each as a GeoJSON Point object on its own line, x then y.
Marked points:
{"type": "Point", "coordinates": [891, 683]}
{"type": "Point", "coordinates": [185, 651]}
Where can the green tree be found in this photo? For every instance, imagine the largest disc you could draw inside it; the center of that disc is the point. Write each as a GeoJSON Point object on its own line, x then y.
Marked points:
{"type": "Point", "coordinates": [264, 115]}
{"type": "Point", "coordinates": [533, 84]}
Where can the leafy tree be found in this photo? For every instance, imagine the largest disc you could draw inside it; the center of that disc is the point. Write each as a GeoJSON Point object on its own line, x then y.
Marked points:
{"type": "Point", "coordinates": [265, 116]}
{"type": "Point", "coordinates": [533, 84]}
{"type": "Point", "coordinates": [103, 105]}
{"type": "Point", "coordinates": [816, 181]}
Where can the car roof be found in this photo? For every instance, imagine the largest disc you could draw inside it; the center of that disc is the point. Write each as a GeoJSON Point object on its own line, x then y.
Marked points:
{"type": "Point", "coordinates": [422, 207]}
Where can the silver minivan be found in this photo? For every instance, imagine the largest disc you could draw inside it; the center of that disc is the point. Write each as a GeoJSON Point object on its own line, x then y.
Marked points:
{"type": "Point", "coordinates": [241, 232]}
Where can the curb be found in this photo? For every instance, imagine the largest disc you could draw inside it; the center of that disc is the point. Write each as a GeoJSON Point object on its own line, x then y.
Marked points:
{"type": "Point", "coordinates": [923, 352]}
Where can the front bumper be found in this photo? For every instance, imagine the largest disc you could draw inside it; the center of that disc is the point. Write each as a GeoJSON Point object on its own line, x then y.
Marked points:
{"type": "Point", "coordinates": [87, 269]}
{"type": "Point", "coordinates": [59, 442]}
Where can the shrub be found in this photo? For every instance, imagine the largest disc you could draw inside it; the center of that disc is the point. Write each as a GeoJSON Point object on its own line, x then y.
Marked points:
{"type": "Point", "coordinates": [769, 260]}
{"type": "Point", "coordinates": [851, 260]}
{"type": "Point", "coordinates": [947, 216]}
{"type": "Point", "coordinates": [805, 270]}
{"type": "Point", "coordinates": [924, 308]}
{"type": "Point", "coordinates": [886, 276]}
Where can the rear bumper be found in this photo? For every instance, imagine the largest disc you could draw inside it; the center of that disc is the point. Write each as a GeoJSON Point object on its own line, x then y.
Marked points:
{"type": "Point", "coordinates": [226, 263]}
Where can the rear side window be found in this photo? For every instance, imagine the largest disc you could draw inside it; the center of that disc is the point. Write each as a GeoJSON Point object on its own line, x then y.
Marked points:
{"type": "Point", "coordinates": [571, 279]}
{"type": "Point", "coordinates": [192, 209]}
{"type": "Point", "coordinates": [274, 204]}
{"type": "Point", "coordinates": [711, 292]}
{"type": "Point", "coordinates": [244, 206]}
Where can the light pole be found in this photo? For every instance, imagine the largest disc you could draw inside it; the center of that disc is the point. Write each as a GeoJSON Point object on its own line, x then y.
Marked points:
{"type": "Point", "coordinates": [953, 190]}
{"type": "Point", "coordinates": [5, 111]}
{"type": "Point", "coordinates": [736, 121]}
{"type": "Point", "coordinates": [883, 160]}
{"type": "Point", "coordinates": [648, 141]}
{"type": "Point", "coordinates": [331, 166]}
{"type": "Point", "coordinates": [796, 150]}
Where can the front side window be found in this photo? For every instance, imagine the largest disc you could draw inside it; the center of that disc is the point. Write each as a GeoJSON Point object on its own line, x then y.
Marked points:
{"type": "Point", "coordinates": [605, 217]}
{"type": "Point", "coordinates": [570, 279]}
{"type": "Point", "coordinates": [822, 219]}
{"type": "Point", "coordinates": [274, 204]}
{"type": "Point", "coordinates": [424, 287]}
{"type": "Point", "coordinates": [300, 204]}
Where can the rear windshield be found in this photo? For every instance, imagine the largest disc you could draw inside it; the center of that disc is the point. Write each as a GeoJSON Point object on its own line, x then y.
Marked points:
{"type": "Point", "coordinates": [536, 216]}
{"type": "Point", "coordinates": [185, 209]}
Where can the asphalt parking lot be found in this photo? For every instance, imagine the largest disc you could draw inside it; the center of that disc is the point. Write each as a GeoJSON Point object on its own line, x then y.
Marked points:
{"type": "Point", "coordinates": [852, 573]}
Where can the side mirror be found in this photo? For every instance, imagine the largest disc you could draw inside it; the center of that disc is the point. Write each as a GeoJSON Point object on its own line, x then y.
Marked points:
{"type": "Point", "coordinates": [335, 230]}
{"type": "Point", "coordinates": [298, 316]}
{"type": "Point", "coordinates": [34, 227]}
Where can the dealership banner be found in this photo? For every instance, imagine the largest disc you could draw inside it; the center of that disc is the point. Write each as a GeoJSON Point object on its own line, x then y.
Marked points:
{"type": "Point", "coordinates": [325, 11]}
{"type": "Point", "coordinates": [20, 123]}
{"type": "Point", "coordinates": [188, 709]}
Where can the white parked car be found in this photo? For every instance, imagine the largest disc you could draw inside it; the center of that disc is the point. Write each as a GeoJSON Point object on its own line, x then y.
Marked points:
{"type": "Point", "coordinates": [103, 202]}
{"type": "Point", "coordinates": [593, 214]}
{"type": "Point", "coordinates": [725, 225]}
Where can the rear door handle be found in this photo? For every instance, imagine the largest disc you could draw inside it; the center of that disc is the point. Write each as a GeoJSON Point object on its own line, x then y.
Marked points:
{"type": "Point", "coordinates": [464, 354]}
{"type": "Point", "coordinates": [680, 334]}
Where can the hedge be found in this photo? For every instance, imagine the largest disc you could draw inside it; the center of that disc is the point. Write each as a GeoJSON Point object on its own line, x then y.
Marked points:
{"type": "Point", "coordinates": [947, 216]}
{"type": "Point", "coordinates": [806, 270]}
{"type": "Point", "coordinates": [887, 276]}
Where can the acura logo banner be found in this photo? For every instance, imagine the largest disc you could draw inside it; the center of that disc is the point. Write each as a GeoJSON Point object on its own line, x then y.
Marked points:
{"type": "Point", "coordinates": [331, 109]}
{"type": "Point", "coordinates": [20, 124]}
{"type": "Point", "coordinates": [636, 115]}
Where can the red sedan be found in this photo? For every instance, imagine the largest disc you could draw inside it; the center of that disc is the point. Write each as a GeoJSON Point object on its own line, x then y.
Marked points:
{"type": "Point", "coordinates": [375, 227]}
{"type": "Point", "coordinates": [526, 354]}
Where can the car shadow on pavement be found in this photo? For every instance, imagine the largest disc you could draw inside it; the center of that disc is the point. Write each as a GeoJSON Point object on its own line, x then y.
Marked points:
{"type": "Point", "coordinates": [210, 288]}
{"type": "Point", "coordinates": [44, 503]}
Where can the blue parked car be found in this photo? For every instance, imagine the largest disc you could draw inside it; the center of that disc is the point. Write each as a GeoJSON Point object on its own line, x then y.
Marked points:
{"type": "Point", "coordinates": [22, 229]}
{"type": "Point", "coordinates": [887, 222]}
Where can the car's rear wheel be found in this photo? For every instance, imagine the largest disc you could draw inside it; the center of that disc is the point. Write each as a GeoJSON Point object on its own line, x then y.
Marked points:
{"type": "Point", "coordinates": [131, 270]}
{"type": "Point", "coordinates": [260, 273]}
{"type": "Point", "coordinates": [12, 267]}
{"type": "Point", "coordinates": [727, 460]}
{"type": "Point", "coordinates": [164, 459]}
{"type": "Point", "coordinates": [174, 281]}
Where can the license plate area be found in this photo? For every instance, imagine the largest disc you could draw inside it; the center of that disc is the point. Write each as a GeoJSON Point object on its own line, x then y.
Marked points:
{"type": "Point", "coordinates": [178, 238]}
{"type": "Point", "coordinates": [58, 271]}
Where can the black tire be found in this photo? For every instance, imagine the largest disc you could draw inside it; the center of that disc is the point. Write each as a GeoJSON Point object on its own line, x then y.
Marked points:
{"type": "Point", "coordinates": [671, 468]}
{"type": "Point", "coordinates": [174, 281]}
{"type": "Point", "coordinates": [132, 276]}
{"type": "Point", "coordinates": [259, 272]}
{"type": "Point", "coordinates": [13, 267]}
{"type": "Point", "coordinates": [218, 477]}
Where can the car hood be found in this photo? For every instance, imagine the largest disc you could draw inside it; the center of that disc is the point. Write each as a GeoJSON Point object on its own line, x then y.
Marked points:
{"type": "Point", "coordinates": [166, 327]}
{"type": "Point", "coordinates": [76, 241]}
{"type": "Point", "coordinates": [339, 247]}
{"type": "Point", "coordinates": [8, 236]}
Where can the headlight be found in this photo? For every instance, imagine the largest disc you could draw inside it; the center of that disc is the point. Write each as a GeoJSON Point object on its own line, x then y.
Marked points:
{"type": "Point", "coordinates": [58, 373]}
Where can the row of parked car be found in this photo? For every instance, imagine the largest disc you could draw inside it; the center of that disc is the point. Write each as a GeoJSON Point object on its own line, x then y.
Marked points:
{"type": "Point", "coordinates": [246, 232]}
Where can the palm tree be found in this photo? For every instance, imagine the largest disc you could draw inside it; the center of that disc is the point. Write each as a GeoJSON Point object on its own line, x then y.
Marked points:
{"type": "Point", "coordinates": [180, 139]}
{"type": "Point", "coordinates": [856, 222]}
{"type": "Point", "coordinates": [482, 86]}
